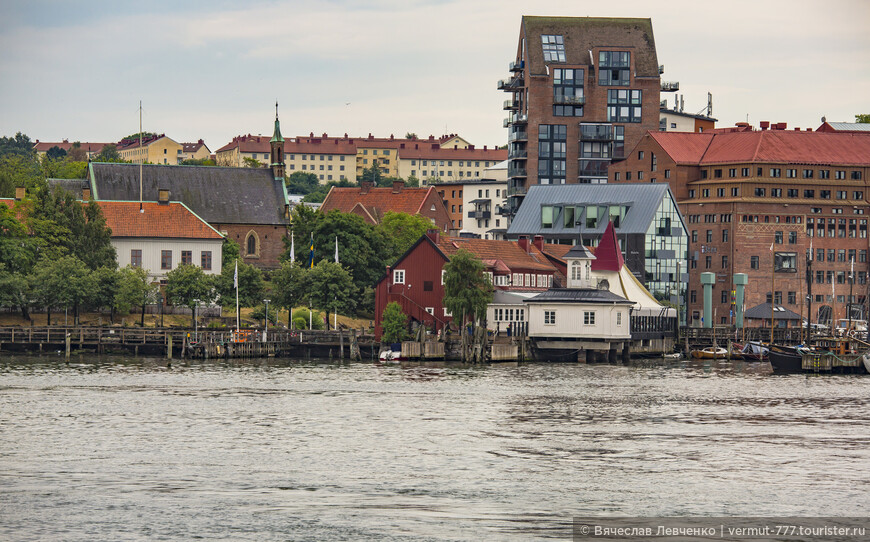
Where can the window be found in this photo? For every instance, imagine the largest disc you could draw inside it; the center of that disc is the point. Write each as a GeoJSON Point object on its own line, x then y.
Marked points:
{"type": "Point", "coordinates": [165, 259]}
{"type": "Point", "coordinates": [735, 191]}
{"type": "Point", "coordinates": [623, 105]}
{"type": "Point", "coordinates": [205, 260]}
{"type": "Point", "coordinates": [809, 193]}
{"type": "Point", "coordinates": [136, 257]}
{"type": "Point", "coordinates": [775, 172]}
{"type": "Point", "coordinates": [550, 318]}
{"type": "Point", "coordinates": [667, 174]}
{"type": "Point", "coordinates": [744, 172]}
{"type": "Point", "coordinates": [709, 236]}
{"type": "Point", "coordinates": [724, 297]}
{"type": "Point", "coordinates": [753, 262]}
{"type": "Point", "coordinates": [694, 236]}
{"type": "Point", "coordinates": [708, 262]}
{"type": "Point", "coordinates": [856, 175]}
{"type": "Point", "coordinates": [554, 48]}
{"type": "Point", "coordinates": [760, 192]}
{"type": "Point", "coordinates": [720, 192]}
{"type": "Point", "coordinates": [777, 237]}
{"type": "Point", "coordinates": [568, 97]}
{"type": "Point", "coordinates": [732, 172]}
{"type": "Point", "coordinates": [790, 173]}
{"type": "Point", "coordinates": [724, 262]}
{"type": "Point", "coordinates": [691, 193]}
{"type": "Point", "coordinates": [842, 194]}
{"type": "Point", "coordinates": [825, 194]}
{"type": "Point", "coordinates": [552, 146]}
{"type": "Point", "coordinates": [793, 192]}
{"type": "Point", "coordinates": [588, 318]}
{"type": "Point", "coordinates": [187, 257]}
{"type": "Point", "coordinates": [785, 262]}
{"type": "Point", "coordinates": [398, 276]}
{"type": "Point", "coordinates": [653, 162]}
{"type": "Point", "coordinates": [839, 175]}
{"type": "Point", "coordinates": [613, 68]}
{"type": "Point", "coordinates": [808, 174]}
{"type": "Point", "coordinates": [824, 174]}
{"type": "Point", "coordinates": [547, 216]}
{"type": "Point", "coordinates": [792, 237]}
{"type": "Point", "coordinates": [724, 236]}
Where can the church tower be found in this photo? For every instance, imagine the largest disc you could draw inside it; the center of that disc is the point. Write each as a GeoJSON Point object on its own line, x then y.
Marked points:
{"type": "Point", "coordinates": [277, 148]}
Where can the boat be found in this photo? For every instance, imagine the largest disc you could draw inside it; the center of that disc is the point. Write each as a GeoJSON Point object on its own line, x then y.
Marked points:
{"type": "Point", "coordinates": [825, 355]}
{"type": "Point", "coordinates": [751, 351]}
{"type": "Point", "coordinates": [391, 356]}
{"type": "Point", "coordinates": [712, 352]}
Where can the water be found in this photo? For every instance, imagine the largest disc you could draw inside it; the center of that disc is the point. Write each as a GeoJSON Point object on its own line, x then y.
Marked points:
{"type": "Point", "coordinates": [126, 449]}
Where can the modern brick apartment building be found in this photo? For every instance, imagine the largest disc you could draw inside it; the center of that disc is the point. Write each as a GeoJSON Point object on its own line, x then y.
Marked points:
{"type": "Point", "coordinates": [757, 200]}
{"type": "Point", "coordinates": [582, 90]}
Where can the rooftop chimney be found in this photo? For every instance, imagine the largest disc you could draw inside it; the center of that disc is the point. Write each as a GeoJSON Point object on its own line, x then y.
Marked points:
{"type": "Point", "coordinates": [365, 186]}
{"type": "Point", "coordinates": [20, 192]}
{"type": "Point", "coordinates": [86, 194]}
{"type": "Point", "coordinates": [765, 124]}
{"type": "Point", "coordinates": [538, 241]}
{"type": "Point", "coordinates": [397, 186]}
{"type": "Point", "coordinates": [433, 235]}
{"type": "Point", "coordinates": [163, 196]}
{"type": "Point", "coordinates": [523, 243]}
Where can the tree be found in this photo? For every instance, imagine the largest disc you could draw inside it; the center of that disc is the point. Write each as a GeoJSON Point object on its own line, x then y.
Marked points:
{"type": "Point", "coordinates": [252, 162]}
{"type": "Point", "coordinates": [198, 162]}
{"type": "Point", "coordinates": [188, 286]}
{"type": "Point", "coordinates": [134, 288]}
{"type": "Point", "coordinates": [319, 193]}
{"type": "Point", "coordinates": [19, 145]}
{"type": "Point", "coordinates": [20, 170]}
{"type": "Point", "coordinates": [94, 243]}
{"type": "Point", "coordinates": [410, 135]}
{"type": "Point", "coordinates": [17, 247]}
{"type": "Point", "coordinates": [403, 230]}
{"type": "Point", "coordinates": [56, 153]}
{"type": "Point", "coordinates": [412, 182]}
{"type": "Point", "coordinates": [395, 323]}
{"type": "Point", "coordinates": [230, 252]}
{"type": "Point", "coordinates": [66, 282]}
{"type": "Point", "coordinates": [862, 118]}
{"type": "Point", "coordinates": [302, 183]}
{"type": "Point", "coordinates": [106, 280]}
{"type": "Point", "coordinates": [372, 174]}
{"type": "Point", "coordinates": [77, 153]}
{"type": "Point", "coordinates": [251, 285]}
{"type": "Point", "coordinates": [109, 153]}
{"type": "Point", "coordinates": [145, 135]}
{"type": "Point", "coordinates": [303, 221]}
{"type": "Point", "coordinates": [289, 287]}
{"type": "Point", "coordinates": [63, 168]}
{"type": "Point", "coordinates": [15, 291]}
{"type": "Point", "coordinates": [331, 288]}
{"type": "Point", "coordinates": [467, 290]}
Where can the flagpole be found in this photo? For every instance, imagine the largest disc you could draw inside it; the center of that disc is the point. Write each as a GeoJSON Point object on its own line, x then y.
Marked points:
{"type": "Point", "coordinates": [236, 284]}
{"type": "Point", "coordinates": [772, 291]}
{"type": "Point", "coordinates": [292, 248]}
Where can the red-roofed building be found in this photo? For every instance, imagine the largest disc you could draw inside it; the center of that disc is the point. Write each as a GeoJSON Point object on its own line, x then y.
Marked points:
{"type": "Point", "coordinates": [92, 149]}
{"type": "Point", "coordinates": [415, 280]}
{"type": "Point", "coordinates": [372, 203]}
{"type": "Point", "coordinates": [744, 191]}
{"type": "Point", "coordinates": [162, 236]}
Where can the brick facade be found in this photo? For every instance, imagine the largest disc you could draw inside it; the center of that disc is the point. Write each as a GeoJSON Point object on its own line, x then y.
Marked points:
{"type": "Point", "coordinates": [268, 247]}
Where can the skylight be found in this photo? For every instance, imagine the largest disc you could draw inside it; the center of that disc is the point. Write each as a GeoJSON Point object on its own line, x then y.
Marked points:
{"type": "Point", "coordinates": [554, 48]}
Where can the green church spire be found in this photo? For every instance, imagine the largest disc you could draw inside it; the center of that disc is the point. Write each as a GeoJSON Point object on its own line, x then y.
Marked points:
{"type": "Point", "coordinates": [276, 137]}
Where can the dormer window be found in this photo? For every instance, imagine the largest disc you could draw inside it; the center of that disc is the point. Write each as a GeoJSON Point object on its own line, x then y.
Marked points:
{"type": "Point", "coordinates": [554, 48]}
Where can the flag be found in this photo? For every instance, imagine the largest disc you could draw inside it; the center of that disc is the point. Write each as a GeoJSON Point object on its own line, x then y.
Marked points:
{"type": "Point", "coordinates": [311, 253]}
{"type": "Point", "coordinates": [292, 248]}
{"type": "Point", "coordinates": [236, 276]}
{"type": "Point", "coordinates": [336, 249]}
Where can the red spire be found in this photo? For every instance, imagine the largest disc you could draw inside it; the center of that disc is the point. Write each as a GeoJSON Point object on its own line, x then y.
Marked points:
{"type": "Point", "coordinates": [608, 257]}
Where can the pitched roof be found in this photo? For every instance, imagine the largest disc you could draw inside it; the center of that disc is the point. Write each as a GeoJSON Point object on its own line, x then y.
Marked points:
{"type": "Point", "coordinates": [73, 186]}
{"type": "Point", "coordinates": [193, 147]}
{"type": "Point", "coordinates": [44, 146]}
{"type": "Point", "coordinates": [337, 145]}
{"type": "Point", "coordinates": [172, 220]}
{"type": "Point", "coordinates": [767, 146]}
{"type": "Point", "coordinates": [220, 195]}
{"type": "Point", "coordinates": [578, 295]}
{"type": "Point", "coordinates": [501, 255]}
{"type": "Point", "coordinates": [582, 34]}
{"type": "Point", "coordinates": [844, 127]}
{"type": "Point", "coordinates": [608, 257]}
{"type": "Point", "coordinates": [377, 201]}
{"type": "Point", "coordinates": [643, 199]}
{"type": "Point", "coordinates": [762, 312]}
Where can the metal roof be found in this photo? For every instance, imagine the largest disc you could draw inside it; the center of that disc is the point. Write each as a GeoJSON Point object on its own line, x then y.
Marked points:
{"type": "Point", "coordinates": [850, 126]}
{"type": "Point", "coordinates": [643, 200]}
{"type": "Point", "coordinates": [579, 295]}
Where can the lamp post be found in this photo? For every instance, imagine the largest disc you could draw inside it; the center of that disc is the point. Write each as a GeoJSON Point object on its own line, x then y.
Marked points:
{"type": "Point", "coordinates": [266, 333]}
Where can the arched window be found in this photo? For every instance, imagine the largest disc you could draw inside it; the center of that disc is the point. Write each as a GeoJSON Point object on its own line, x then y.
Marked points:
{"type": "Point", "coordinates": [575, 270]}
{"type": "Point", "coordinates": [252, 244]}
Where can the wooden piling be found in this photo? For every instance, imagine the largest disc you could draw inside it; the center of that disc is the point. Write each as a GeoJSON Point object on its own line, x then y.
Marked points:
{"type": "Point", "coordinates": [67, 341]}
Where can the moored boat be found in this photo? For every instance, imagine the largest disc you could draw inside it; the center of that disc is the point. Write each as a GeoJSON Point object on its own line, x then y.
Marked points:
{"type": "Point", "coordinates": [712, 352]}
{"type": "Point", "coordinates": [826, 355]}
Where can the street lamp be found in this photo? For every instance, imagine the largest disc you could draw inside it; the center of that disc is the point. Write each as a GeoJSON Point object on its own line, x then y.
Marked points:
{"type": "Point", "coordinates": [266, 333]}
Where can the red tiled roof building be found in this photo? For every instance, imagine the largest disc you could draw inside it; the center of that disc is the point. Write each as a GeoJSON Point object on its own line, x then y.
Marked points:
{"type": "Point", "coordinates": [372, 203]}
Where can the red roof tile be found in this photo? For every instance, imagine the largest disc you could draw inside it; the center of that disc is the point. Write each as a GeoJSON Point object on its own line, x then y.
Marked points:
{"type": "Point", "coordinates": [173, 221]}
{"type": "Point", "coordinates": [491, 252]}
{"type": "Point", "coordinates": [378, 200]}
{"type": "Point", "coordinates": [44, 146]}
{"type": "Point", "coordinates": [683, 147]}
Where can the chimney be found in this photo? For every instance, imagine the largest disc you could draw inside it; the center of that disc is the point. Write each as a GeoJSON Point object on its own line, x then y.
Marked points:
{"type": "Point", "coordinates": [765, 124]}
{"type": "Point", "coordinates": [433, 235]}
{"type": "Point", "coordinates": [484, 147]}
{"type": "Point", "coordinates": [538, 241]}
{"type": "Point", "coordinates": [20, 192]}
{"type": "Point", "coordinates": [365, 186]}
{"type": "Point", "coordinates": [163, 196]}
{"type": "Point", "coordinates": [523, 243]}
{"type": "Point", "coordinates": [781, 125]}
{"type": "Point", "coordinates": [809, 129]}
{"type": "Point", "coordinates": [397, 186]}
{"type": "Point", "coordinates": [86, 194]}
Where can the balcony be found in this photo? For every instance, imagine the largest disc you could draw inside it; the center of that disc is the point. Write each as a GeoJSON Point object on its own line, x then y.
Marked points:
{"type": "Point", "coordinates": [518, 135]}
{"type": "Point", "coordinates": [592, 169]}
{"type": "Point", "coordinates": [516, 191]}
{"type": "Point", "coordinates": [596, 132]}
{"type": "Point", "coordinates": [569, 100]}
{"type": "Point", "coordinates": [521, 154]}
{"type": "Point", "coordinates": [479, 214]}
{"type": "Point", "coordinates": [517, 172]}
{"type": "Point", "coordinates": [670, 86]}
{"type": "Point", "coordinates": [512, 84]}
{"type": "Point", "coordinates": [502, 210]}
{"type": "Point", "coordinates": [511, 105]}
{"type": "Point", "coordinates": [517, 66]}
{"type": "Point", "coordinates": [661, 69]}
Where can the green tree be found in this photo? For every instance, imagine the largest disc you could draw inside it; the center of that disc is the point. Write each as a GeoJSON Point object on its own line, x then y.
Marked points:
{"type": "Point", "coordinates": [395, 323]}
{"type": "Point", "coordinates": [188, 286]}
{"type": "Point", "coordinates": [251, 285]}
{"type": "Point", "coordinates": [198, 162]}
{"type": "Point", "coordinates": [17, 247]}
{"type": "Point", "coordinates": [303, 221]}
{"type": "Point", "coordinates": [372, 174]}
{"type": "Point", "coordinates": [403, 230]}
{"type": "Point", "coordinates": [77, 153]}
{"type": "Point", "coordinates": [20, 145]}
{"type": "Point", "coordinates": [331, 288]}
{"type": "Point", "coordinates": [135, 289]}
{"type": "Point", "coordinates": [20, 170]}
{"type": "Point", "coordinates": [410, 135]}
{"type": "Point", "coordinates": [106, 280]}
{"type": "Point", "coordinates": [319, 193]}
{"type": "Point", "coordinates": [145, 135]}
{"type": "Point", "coordinates": [15, 291]}
{"type": "Point", "coordinates": [55, 153]}
{"type": "Point", "coordinates": [230, 252]}
{"type": "Point", "coordinates": [302, 183]}
{"type": "Point", "coordinates": [467, 291]}
{"type": "Point", "coordinates": [862, 118]}
{"type": "Point", "coordinates": [109, 153]}
{"type": "Point", "coordinates": [289, 287]}
{"type": "Point", "coordinates": [412, 182]}
{"type": "Point", "coordinates": [252, 162]}
{"type": "Point", "coordinates": [94, 243]}
{"type": "Point", "coordinates": [63, 168]}
{"type": "Point", "coordinates": [66, 282]}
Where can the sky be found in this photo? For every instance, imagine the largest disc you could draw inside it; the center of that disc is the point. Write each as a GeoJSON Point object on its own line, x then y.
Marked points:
{"type": "Point", "coordinates": [214, 70]}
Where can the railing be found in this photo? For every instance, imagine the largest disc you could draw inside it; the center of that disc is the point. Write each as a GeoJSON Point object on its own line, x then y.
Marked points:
{"type": "Point", "coordinates": [596, 133]}
{"type": "Point", "coordinates": [519, 135]}
{"type": "Point", "coordinates": [517, 172]}
{"type": "Point", "coordinates": [592, 168]}
{"type": "Point", "coordinates": [569, 100]}
{"type": "Point", "coordinates": [518, 153]}
{"type": "Point", "coordinates": [478, 214]}
{"type": "Point", "coordinates": [511, 104]}
{"type": "Point", "coordinates": [670, 86]}
{"type": "Point", "coordinates": [511, 84]}
{"type": "Point", "coordinates": [517, 191]}
{"type": "Point", "coordinates": [516, 66]}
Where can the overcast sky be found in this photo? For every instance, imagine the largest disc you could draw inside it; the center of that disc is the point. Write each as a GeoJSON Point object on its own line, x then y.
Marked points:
{"type": "Point", "coordinates": [213, 70]}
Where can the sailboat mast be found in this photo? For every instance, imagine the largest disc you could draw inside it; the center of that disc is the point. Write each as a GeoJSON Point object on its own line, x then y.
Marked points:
{"type": "Point", "coordinates": [143, 158]}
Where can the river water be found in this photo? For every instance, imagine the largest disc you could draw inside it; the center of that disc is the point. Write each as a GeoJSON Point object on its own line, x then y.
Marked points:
{"type": "Point", "coordinates": [127, 449]}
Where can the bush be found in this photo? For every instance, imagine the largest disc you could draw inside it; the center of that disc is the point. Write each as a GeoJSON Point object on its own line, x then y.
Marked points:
{"type": "Point", "coordinates": [316, 318]}
{"type": "Point", "coordinates": [258, 312]}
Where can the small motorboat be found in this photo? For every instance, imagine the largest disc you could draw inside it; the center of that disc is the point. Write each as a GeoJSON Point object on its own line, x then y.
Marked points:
{"type": "Point", "coordinates": [712, 352]}
{"type": "Point", "coordinates": [751, 351]}
{"type": "Point", "coordinates": [391, 356]}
